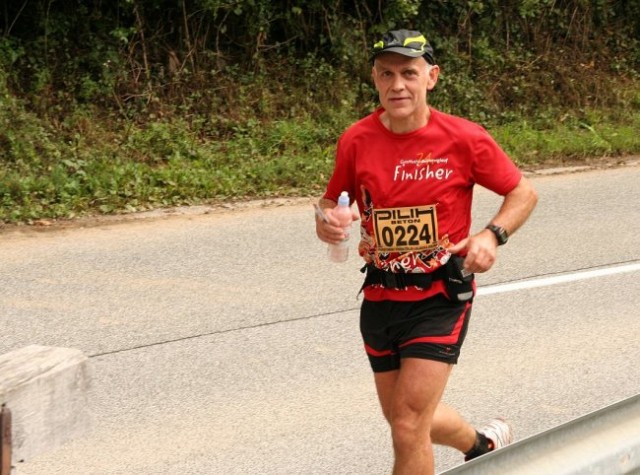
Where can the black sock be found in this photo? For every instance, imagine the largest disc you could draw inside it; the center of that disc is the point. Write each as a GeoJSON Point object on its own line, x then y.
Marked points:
{"type": "Point", "coordinates": [481, 447]}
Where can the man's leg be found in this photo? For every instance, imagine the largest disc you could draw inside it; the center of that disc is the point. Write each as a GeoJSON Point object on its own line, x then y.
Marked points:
{"type": "Point", "coordinates": [448, 427]}
{"type": "Point", "coordinates": [409, 398]}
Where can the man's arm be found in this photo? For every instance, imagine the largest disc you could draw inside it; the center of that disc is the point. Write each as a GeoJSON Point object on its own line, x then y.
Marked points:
{"type": "Point", "coordinates": [516, 208]}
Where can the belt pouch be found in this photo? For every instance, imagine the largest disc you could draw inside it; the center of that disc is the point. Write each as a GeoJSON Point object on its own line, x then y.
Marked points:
{"type": "Point", "coordinates": [458, 283]}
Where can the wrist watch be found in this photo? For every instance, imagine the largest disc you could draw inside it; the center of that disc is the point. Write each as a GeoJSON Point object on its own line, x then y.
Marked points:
{"type": "Point", "coordinates": [500, 233]}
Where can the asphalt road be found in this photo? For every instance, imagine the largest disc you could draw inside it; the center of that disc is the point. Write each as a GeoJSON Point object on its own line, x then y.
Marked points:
{"type": "Point", "coordinates": [224, 342]}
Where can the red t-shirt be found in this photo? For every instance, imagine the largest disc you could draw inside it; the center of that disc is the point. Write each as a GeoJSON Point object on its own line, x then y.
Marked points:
{"type": "Point", "coordinates": [414, 191]}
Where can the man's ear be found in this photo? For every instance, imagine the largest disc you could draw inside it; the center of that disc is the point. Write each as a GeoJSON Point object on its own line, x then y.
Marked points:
{"type": "Point", "coordinates": [434, 74]}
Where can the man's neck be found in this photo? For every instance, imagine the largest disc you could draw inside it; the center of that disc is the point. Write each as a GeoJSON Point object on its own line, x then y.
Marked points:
{"type": "Point", "coordinates": [406, 125]}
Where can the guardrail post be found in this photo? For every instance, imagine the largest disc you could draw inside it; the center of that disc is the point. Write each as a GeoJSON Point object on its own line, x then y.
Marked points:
{"type": "Point", "coordinates": [46, 389]}
{"type": "Point", "coordinates": [5, 440]}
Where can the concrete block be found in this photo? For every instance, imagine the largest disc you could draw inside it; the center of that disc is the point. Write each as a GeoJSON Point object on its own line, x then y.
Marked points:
{"type": "Point", "coordinates": [46, 390]}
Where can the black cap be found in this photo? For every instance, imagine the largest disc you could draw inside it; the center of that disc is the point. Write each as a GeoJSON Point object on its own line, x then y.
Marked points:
{"type": "Point", "coordinates": [405, 42]}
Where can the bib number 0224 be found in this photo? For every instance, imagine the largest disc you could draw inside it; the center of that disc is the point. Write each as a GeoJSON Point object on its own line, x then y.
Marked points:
{"type": "Point", "coordinates": [413, 228]}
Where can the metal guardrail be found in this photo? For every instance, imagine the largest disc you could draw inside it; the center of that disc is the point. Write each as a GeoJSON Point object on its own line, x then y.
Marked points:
{"type": "Point", "coordinates": [604, 442]}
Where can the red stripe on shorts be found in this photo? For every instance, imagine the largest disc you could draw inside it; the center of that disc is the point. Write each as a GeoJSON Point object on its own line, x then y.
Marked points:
{"type": "Point", "coordinates": [374, 352]}
{"type": "Point", "coordinates": [450, 339]}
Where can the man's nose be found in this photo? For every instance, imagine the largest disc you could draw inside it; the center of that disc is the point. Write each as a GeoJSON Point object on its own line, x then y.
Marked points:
{"type": "Point", "coordinates": [398, 83]}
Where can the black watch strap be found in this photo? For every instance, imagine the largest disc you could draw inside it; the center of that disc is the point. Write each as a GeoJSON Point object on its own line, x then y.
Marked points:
{"type": "Point", "coordinates": [500, 233]}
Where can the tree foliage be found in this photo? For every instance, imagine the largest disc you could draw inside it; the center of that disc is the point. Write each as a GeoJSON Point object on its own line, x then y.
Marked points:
{"type": "Point", "coordinates": [220, 56]}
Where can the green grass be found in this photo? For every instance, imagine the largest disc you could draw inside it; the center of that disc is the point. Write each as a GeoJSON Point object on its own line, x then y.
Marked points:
{"type": "Point", "coordinates": [570, 139]}
{"type": "Point", "coordinates": [90, 166]}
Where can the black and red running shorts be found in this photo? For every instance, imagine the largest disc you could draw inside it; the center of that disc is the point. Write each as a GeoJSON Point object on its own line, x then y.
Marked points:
{"type": "Point", "coordinates": [433, 329]}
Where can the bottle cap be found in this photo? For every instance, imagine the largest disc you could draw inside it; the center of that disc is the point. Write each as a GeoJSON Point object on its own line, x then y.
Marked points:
{"type": "Point", "coordinates": [343, 200]}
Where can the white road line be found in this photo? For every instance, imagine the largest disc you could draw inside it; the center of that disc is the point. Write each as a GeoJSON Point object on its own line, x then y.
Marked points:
{"type": "Point", "coordinates": [558, 279]}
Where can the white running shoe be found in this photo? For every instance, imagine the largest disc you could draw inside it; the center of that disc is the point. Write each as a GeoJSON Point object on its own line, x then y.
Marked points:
{"type": "Point", "coordinates": [499, 431]}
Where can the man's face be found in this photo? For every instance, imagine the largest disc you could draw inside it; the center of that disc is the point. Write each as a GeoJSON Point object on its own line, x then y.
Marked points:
{"type": "Point", "coordinates": [402, 84]}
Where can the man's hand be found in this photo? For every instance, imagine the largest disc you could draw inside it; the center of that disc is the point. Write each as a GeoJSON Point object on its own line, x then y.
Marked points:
{"type": "Point", "coordinates": [481, 251]}
{"type": "Point", "coordinates": [329, 231]}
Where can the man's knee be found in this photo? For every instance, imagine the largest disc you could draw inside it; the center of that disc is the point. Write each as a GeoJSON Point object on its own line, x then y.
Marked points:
{"type": "Point", "coordinates": [409, 430]}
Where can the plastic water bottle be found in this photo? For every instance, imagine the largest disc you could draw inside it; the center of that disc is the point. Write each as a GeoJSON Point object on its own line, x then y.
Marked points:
{"type": "Point", "coordinates": [340, 252]}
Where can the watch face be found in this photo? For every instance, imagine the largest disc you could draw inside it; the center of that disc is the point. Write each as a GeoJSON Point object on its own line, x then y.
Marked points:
{"type": "Point", "coordinates": [503, 236]}
{"type": "Point", "coordinates": [500, 233]}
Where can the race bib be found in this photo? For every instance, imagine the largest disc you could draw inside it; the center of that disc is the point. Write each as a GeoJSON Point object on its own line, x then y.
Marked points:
{"type": "Point", "coordinates": [414, 228]}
